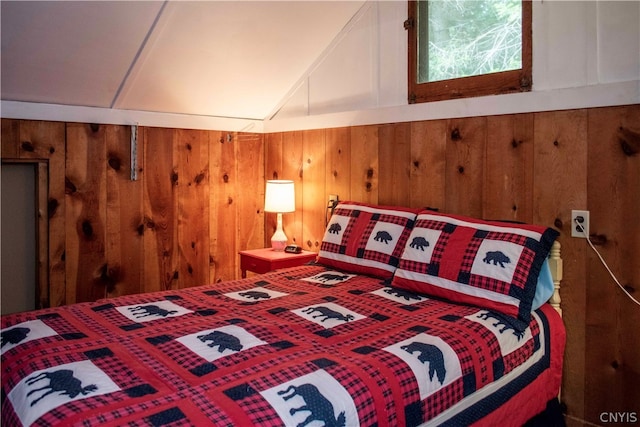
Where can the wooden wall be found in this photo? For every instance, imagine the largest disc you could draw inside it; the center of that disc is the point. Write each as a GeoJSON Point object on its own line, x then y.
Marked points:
{"type": "Point", "coordinates": [198, 200]}
{"type": "Point", "coordinates": [527, 167]}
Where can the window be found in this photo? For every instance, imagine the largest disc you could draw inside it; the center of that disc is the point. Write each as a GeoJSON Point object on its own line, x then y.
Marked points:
{"type": "Point", "coordinates": [466, 48]}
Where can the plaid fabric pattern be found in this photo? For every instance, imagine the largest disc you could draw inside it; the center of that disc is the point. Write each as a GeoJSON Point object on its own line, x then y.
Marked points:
{"type": "Point", "coordinates": [488, 264]}
{"type": "Point", "coordinates": [366, 239]}
{"type": "Point", "coordinates": [449, 396]}
{"type": "Point", "coordinates": [163, 381]}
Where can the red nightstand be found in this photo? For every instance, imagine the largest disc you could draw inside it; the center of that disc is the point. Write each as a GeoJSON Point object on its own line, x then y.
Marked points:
{"type": "Point", "coordinates": [265, 260]}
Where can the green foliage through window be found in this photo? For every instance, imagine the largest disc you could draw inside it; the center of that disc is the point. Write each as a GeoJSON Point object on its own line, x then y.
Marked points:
{"type": "Point", "coordinates": [460, 38]}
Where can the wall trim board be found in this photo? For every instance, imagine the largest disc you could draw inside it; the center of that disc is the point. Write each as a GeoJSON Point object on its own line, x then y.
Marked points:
{"type": "Point", "coordinates": [601, 95]}
{"type": "Point", "coordinates": [82, 114]}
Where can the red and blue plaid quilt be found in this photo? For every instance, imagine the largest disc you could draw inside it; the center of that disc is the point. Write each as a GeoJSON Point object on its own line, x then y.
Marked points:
{"type": "Point", "coordinates": [306, 346]}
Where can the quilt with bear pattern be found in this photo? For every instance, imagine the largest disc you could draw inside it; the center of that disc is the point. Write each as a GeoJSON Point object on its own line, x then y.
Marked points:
{"type": "Point", "coordinates": [305, 346]}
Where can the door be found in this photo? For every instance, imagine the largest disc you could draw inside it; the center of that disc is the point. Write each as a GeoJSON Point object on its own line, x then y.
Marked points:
{"type": "Point", "coordinates": [18, 233]}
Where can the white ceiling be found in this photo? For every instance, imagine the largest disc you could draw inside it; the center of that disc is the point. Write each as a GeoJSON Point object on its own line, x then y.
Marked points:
{"type": "Point", "coordinates": [236, 59]}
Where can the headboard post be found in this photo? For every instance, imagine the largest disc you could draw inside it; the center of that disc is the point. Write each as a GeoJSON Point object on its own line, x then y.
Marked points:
{"type": "Point", "coordinates": [555, 264]}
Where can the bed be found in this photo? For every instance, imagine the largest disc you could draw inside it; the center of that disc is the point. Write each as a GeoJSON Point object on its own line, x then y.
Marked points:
{"type": "Point", "coordinates": [407, 317]}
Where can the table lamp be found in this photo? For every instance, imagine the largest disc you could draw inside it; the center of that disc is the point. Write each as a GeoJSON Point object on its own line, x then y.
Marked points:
{"type": "Point", "coordinates": [279, 197]}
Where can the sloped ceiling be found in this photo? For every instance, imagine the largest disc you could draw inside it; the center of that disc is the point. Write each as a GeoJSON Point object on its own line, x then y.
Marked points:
{"type": "Point", "coordinates": [235, 59]}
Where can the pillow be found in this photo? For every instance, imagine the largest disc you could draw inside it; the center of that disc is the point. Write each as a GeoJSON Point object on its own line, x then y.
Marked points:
{"type": "Point", "coordinates": [544, 287]}
{"type": "Point", "coordinates": [366, 239]}
{"type": "Point", "coordinates": [489, 264]}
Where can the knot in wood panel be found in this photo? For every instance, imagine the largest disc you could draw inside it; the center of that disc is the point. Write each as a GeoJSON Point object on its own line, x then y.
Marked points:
{"type": "Point", "coordinates": [455, 135]}
{"type": "Point", "coordinates": [629, 141]}
{"type": "Point", "coordinates": [114, 162]}
{"type": "Point", "coordinates": [52, 207]}
{"type": "Point", "coordinates": [558, 223]}
{"type": "Point", "coordinates": [598, 239]}
{"type": "Point", "coordinates": [199, 178]}
{"type": "Point", "coordinates": [69, 187]}
{"type": "Point", "coordinates": [27, 146]}
{"type": "Point", "coordinates": [150, 223]}
{"type": "Point", "coordinates": [110, 276]}
{"type": "Point", "coordinates": [87, 229]}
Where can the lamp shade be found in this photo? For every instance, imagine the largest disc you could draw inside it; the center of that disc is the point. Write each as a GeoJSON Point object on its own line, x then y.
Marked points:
{"type": "Point", "coordinates": [279, 196]}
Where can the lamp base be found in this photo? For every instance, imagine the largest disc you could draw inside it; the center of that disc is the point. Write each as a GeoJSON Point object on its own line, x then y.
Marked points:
{"type": "Point", "coordinates": [279, 239]}
{"type": "Point", "coordinates": [278, 245]}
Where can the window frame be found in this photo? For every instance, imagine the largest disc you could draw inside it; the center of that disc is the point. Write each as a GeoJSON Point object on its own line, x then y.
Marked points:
{"type": "Point", "coordinates": [466, 87]}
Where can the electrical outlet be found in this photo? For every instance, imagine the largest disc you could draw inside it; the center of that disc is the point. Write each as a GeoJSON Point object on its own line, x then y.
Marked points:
{"type": "Point", "coordinates": [582, 218]}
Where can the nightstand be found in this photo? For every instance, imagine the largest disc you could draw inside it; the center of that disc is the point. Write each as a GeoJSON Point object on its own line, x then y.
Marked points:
{"type": "Point", "coordinates": [265, 260]}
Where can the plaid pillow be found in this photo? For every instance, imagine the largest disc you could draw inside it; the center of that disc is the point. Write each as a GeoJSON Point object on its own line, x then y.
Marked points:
{"type": "Point", "coordinates": [493, 265]}
{"type": "Point", "coordinates": [366, 239]}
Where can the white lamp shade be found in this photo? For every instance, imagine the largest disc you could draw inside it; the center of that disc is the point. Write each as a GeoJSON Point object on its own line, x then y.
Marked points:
{"type": "Point", "coordinates": [279, 196]}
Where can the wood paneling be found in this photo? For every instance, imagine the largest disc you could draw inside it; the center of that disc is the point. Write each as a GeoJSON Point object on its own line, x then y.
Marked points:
{"type": "Point", "coordinates": [465, 155]}
{"type": "Point", "coordinates": [223, 223]}
{"type": "Point", "coordinates": [160, 208]}
{"type": "Point", "coordinates": [292, 168]}
{"type": "Point", "coordinates": [193, 207]}
{"type": "Point", "coordinates": [560, 184]}
{"type": "Point", "coordinates": [250, 197]}
{"type": "Point", "coordinates": [10, 139]}
{"type": "Point", "coordinates": [313, 189]}
{"type": "Point", "coordinates": [364, 164]}
{"type": "Point", "coordinates": [197, 201]}
{"type": "Point", "coordinates": [338, 163]}
{"type": "Point", "coordinates": [86, 203]}
{"type": "Point", "coordinates": [508, 172]}
{"type": "Point", "coordinates": [611, 337]}
{"type": "Point", "coordinates": [428, 162]}
{"type": "Point", "coordinates": [124, 241]}
{"type": "Point", "coordinates": [394, 154]}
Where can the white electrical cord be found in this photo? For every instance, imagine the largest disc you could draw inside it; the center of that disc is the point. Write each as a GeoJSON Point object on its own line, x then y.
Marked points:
{"type": "Point", "coordinates": [581, 229]}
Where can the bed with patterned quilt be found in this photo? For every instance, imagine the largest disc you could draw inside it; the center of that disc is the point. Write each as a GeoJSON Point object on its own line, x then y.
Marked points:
{"type": "Point", "coordinates": [406, 318]}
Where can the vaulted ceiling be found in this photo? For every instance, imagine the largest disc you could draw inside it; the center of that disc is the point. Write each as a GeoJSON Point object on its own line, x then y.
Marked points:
{"type": "Point", "coordinates": [237, 59]}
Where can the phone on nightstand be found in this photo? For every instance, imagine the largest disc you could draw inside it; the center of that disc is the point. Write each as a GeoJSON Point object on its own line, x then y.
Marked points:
{"type": "Point", "coordinates": [293, 249]}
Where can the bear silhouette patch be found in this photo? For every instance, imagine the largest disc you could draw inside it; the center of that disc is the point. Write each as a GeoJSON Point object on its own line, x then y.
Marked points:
{"type": "Point", "coordinates": [497, 258]}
